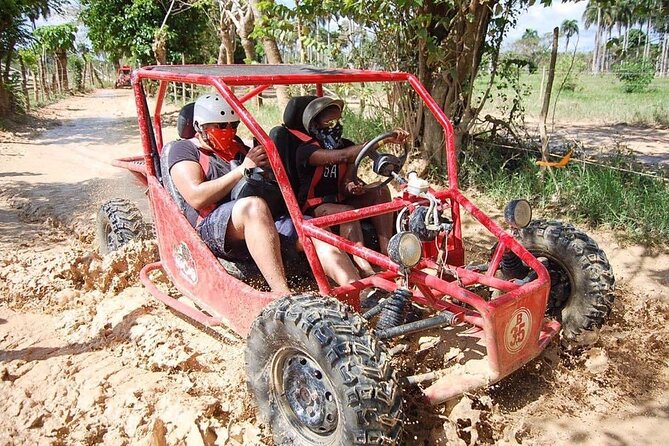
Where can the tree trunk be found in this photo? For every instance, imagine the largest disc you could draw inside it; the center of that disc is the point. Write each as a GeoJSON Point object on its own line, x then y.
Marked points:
{"type": "Point", "coordinates": [227, 48]}
{"type": "Point", "coordinates": [433, 133]}
{"type": "Point", "coordinates": [6, 100]}
{"type": "Point", "coordinates": [24, 83]}
{"type": "Point", "coordinates": [159, 47]}
{"type": "Point", "coordinates": [595, 55]}
{"type": "Point", "coordinates": [547, 97]}
{"type": "Point", "coordinates": [43, 77]}
{"type": "Point", "coordinates": [272, 52]}
{"type": "Point", "coordinates": [646, 48]}
{"type": "Point", "coordinates": [10, 55]}
{"type": "Point", "coordinates": [61, 67]}
{"type": "Point", "coordinates": [33, 74]}
{"type": "Point", "coordinates": [453, 88]}
{"type": "Point", "coordinates": [243, 19]}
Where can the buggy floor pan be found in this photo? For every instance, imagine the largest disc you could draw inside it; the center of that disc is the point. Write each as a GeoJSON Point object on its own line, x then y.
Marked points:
{"type": "Point", "coordinates": [455, 360]}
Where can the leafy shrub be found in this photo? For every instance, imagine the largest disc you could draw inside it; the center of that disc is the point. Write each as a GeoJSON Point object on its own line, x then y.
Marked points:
{"type": "Point", "coordinates": [635, 75]}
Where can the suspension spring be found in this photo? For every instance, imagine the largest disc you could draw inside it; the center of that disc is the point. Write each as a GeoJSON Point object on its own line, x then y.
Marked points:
{"type": "Point", "coordinates": [395, 309]}
{"type": "Point", "coordinates": [512, 266]}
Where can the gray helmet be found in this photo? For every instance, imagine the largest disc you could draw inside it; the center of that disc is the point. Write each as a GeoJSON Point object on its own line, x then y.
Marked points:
{"type": "Point", "coordinates": [212, 108]}
{"type": "Point", "coordinates": [316, 106]}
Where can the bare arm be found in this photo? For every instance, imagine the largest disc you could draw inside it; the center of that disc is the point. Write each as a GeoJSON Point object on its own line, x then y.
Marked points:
{"type": "Point", "coordinates": [322, 157]}
{"type": "Point", "coordinates": [200, 192]}
{"type": "Point", "coordinates": [196, 190]}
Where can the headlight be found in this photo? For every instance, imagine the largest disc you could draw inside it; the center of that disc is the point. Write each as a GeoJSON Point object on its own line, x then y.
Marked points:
{"type": "Point", "coordinates": [518, 213]}
{"type": "Point", "coordinates": [405, 249]}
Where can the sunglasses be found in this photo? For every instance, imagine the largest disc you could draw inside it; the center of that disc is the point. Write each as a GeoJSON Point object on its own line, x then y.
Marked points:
{"type": "Point", "coordinates": [225, 125]}
{"type": "Point", "coordinates": [332, 123]}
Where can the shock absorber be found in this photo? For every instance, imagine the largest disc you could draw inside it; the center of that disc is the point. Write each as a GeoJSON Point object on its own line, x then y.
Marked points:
{"type": "Point", "coordinates": [395, 309]}
{"type": "Point", "coordinates": [512, 266]}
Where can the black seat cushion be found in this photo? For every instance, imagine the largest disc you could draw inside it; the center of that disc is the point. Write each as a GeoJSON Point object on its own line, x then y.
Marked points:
{"type": "Point", "coordinates": [185, 127]}
{"type": "Point", "coordinates": [287, 143]}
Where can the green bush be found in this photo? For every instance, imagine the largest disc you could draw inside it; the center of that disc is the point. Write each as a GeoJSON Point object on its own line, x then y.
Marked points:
{"type": "Point", "coordinates": [635, 75]}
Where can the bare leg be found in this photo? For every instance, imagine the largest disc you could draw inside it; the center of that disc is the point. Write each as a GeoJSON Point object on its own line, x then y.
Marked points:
{"type": "Point", "coordinates": [351, 231]}
{"type": "Point", "coordinates": [252, 221]}
{"type": "Point", "coordinates": [382, 223]}
{"type": "Point", "coordinates": [336, 263]}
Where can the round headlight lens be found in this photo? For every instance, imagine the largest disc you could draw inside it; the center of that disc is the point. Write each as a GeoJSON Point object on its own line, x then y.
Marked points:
{"type": "Point", "coordinates": [405, 249]}
{"type": "Point", "coordinates": [518, 213]}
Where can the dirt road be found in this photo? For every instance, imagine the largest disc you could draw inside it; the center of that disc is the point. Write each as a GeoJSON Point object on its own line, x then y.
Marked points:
{"type": "Point", "coordinates": [88, 357]}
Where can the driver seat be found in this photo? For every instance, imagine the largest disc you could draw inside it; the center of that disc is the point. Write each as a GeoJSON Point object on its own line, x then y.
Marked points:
{"type": "Point", "coordinates": [290, 135]}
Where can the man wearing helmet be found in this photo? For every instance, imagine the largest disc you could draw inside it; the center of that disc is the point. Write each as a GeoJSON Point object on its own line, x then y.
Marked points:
{"type": "Point", "coordinates": [322, 164]}
{"type": "Point", "coordinates": [203, 178]}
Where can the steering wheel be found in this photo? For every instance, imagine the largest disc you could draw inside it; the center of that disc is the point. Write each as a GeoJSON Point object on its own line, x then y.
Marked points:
{"type": "Point", "coordinates": [384, 164]}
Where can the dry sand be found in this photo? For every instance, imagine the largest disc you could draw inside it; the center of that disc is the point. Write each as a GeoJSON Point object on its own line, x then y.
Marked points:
{"type": "Point", "coordinates": [87, 356]}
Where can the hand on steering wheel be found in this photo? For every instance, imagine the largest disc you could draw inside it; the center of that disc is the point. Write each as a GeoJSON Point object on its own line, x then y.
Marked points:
{"type": "Point", "coordinates": [384, 164]}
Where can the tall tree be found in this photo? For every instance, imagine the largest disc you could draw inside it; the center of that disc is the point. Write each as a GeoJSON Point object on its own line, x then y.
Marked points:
{"type": "Point", "coordinates": [15, 20]}
{"type": "Point", "coordinates": [130, 28]}
{"type": "Point", "coordinates": [242, 17]}
{"type": "Point", "coordinates": [443, 41]}
{"type": "Point", "coordinates": [568, 29]}
{"type": "Point", "coordinates": [58, 39]}
{"type": "Point", "coordinates": [262, 11]}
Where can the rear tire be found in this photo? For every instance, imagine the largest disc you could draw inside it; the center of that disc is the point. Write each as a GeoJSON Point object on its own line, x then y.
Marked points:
{"type": "Point", "coordinates": [118, 222]}
{"type": "Point", "coordinates": [582, 282]}
{"type": "Point", "coordinates": [320, 377]}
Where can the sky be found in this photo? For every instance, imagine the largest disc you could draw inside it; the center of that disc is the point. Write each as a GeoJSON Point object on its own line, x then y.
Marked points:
{"type": "Point", "coordinates": [545, 19]}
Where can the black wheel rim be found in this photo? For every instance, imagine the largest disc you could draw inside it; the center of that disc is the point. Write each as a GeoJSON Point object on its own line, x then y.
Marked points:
{"type": "Point", "coordinates": [304, 393]}
{"type": "Point", "coordinates": [561, 282]}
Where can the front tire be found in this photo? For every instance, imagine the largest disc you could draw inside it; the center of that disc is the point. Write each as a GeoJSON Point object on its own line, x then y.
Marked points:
{"type": "Point", "coordinates": [582, 281]}
{"type": "Point", "coordinates": [320, 377]}
{"type": "Point", "coordinates": [118, 222]}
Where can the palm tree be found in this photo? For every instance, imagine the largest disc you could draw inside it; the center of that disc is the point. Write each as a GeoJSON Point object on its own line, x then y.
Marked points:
{"type": "Point", "coordinates": [569, 28]}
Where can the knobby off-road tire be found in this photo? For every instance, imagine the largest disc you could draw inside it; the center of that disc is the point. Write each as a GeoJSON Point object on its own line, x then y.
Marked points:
{"type": "Point", "coordinates": [320, 377]}
{"type": "Point", "coordinates": [582, 282]}
{"type": "Point", "coordinates": [118, 222]}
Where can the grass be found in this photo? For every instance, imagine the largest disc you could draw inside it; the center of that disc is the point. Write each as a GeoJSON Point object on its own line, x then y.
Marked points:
{"type": "Point", "coordinates": [597, 98]}
{"type": "Point", "coordinates": [591, 194]}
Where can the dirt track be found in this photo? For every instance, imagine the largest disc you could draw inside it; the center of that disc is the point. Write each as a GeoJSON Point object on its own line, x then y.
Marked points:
{"type": "Point", "coordinates": [87, 356]}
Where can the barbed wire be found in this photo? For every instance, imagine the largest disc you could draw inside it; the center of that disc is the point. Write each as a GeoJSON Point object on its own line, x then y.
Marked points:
{"type": "Point", "coordinates": [583, 160]}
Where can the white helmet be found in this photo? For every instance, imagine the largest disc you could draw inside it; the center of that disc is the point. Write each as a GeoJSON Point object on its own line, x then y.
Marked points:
{"type": "Point", "coordinates": [212, 108]}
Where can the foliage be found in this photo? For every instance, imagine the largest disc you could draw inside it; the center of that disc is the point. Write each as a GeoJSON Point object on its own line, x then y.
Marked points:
{"type": "Point", "coordinates": [531, 47]}
{"type": "Point", "coordinates": [56, 37]}
{"type": "Point", "coordinates": [598, 195]}
{"type": "Point", "coordinates": [510, 89]}
{"type": "Point", "coordinates": [635, 75]}
{"type": "Point", "coordinates": [568, 28]}
{"type": "Point", "coordinates": [15, 19]}
{"type": "Point", "coordinates": [441, 41]}
{"type": "Point", "coordinates": [569, 79]}
{"type": "Point", "coordinates": [126, 28]}
{"type": "Point", "coordinates": [77, 64]}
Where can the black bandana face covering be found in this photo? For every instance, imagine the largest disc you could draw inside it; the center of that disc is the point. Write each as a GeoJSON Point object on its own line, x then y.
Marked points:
{"type": "Point", "coordinates": [330, 138]}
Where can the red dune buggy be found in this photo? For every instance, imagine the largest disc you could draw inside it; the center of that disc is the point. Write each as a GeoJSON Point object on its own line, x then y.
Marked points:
{"type": "Point", "coordinates": [123, 77]}
{"type": "Point", "coordinates": [318, 364]}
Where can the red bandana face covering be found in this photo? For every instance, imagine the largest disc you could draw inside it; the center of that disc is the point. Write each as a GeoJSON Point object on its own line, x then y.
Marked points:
{"type": "Point", "coordinates": [222, 142]}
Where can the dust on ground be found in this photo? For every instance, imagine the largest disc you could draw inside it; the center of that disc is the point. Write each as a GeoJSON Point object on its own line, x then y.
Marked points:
{"type": "Point", "coordinates": [649, 144]}
{"type": "Point", "coordinates": [88, 356]}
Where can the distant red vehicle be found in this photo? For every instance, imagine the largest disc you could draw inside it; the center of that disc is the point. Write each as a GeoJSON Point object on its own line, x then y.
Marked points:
{"type": "Point", "coordinates": [123, 77]}
{"type": "Point", "coordinates": [320, 368]}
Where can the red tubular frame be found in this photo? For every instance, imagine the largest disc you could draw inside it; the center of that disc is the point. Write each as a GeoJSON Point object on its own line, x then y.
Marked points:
{"type": "Point", "coordinates": [495, 318]}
